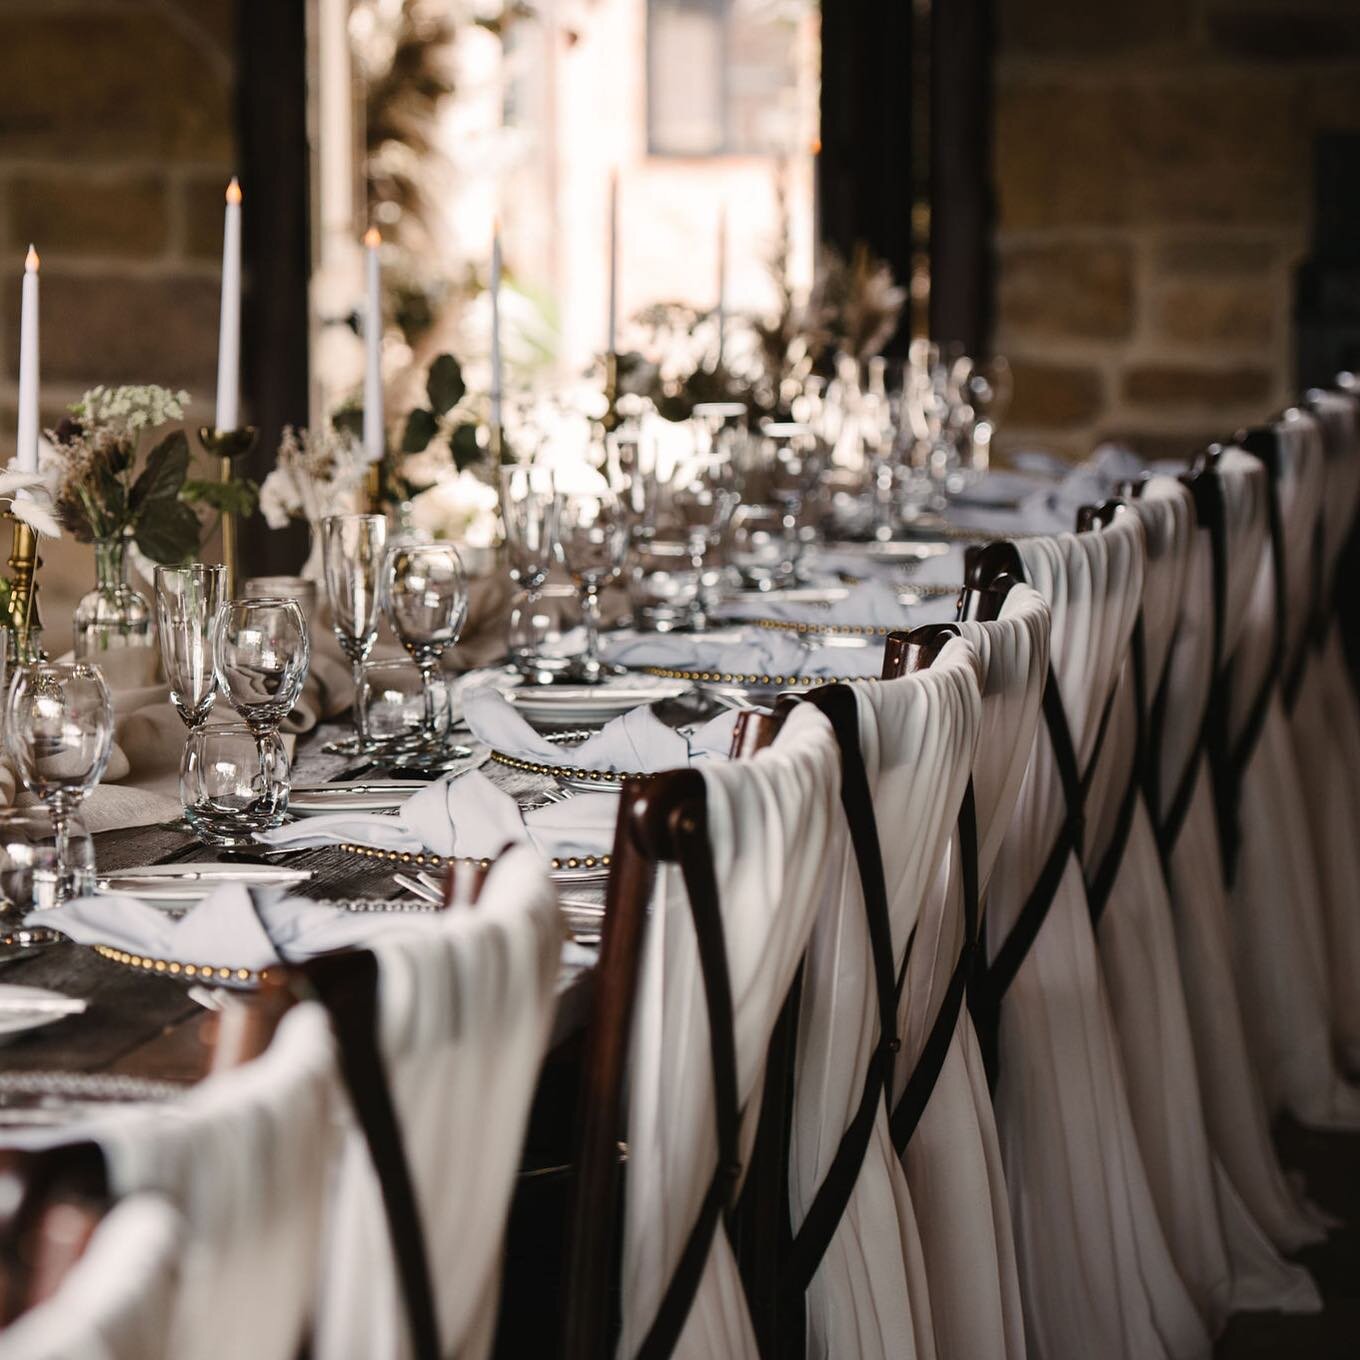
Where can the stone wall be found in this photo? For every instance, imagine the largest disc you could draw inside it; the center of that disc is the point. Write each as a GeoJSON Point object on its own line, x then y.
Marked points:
{"type": "Point", "coordinates": [116, 143]}
{"type": "Point", "coordinates": [1154, 166]}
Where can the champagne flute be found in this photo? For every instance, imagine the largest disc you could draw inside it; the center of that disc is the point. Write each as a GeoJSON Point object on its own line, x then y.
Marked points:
{"type": "Point", "coordinates": [60, 733]}
{"type": "Point", "coordinates": [592, 532]}
{"type": "Point", "coordinates": [529, 513]}
{"type": "Point", "coordinates": [353, 551]}
{"type": "Point", "coordinates": [426, 598]}
{"type": "Point", "coordinates": [187, 601]}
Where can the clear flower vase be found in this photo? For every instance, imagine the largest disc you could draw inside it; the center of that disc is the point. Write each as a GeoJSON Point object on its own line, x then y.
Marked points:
{"type": "Point", "coordinates": [113, 617]}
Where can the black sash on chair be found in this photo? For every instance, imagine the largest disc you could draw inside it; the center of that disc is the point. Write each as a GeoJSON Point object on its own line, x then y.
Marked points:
{"type": "Point", "coordinates": [693, 852]}
{"type": "Point", "coordinates": [811, 1240]}
{"type": "Point", "coordinates": [347, 985]}
{"type": "Point", "coordinates": [916, 1094]}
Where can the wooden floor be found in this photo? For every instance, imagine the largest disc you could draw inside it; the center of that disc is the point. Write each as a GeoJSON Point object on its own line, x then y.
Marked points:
{"type": "Point", "coordinates": [1330, 1164]}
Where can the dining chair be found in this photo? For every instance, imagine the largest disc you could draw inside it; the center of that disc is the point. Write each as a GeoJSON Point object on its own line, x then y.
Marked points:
{"type": "Point", "coordinates": [441, 1031]}
{"type": "Point", "coordinates": [716, 880]}
{"type": "Point", "coordinates": [942, 1123]}
{"type": "Point", "coordinates": [116, 1299]}
{"type": "Point", "coordinates": [1080, 1200]}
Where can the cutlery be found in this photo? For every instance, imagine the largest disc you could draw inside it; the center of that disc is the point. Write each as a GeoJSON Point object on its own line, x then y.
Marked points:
{"type": "Point", "coordinates": [421, 886]}
{"type": "Point", "coordinates": [41, 1005]}
{"type": "Point", "coordinates": [262, 873]}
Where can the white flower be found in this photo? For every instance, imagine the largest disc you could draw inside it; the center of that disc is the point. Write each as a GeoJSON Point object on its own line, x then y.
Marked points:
{"type": "Point", "coordinates": [130, 408]}
{"type": "Point", "coordinates": [461, 508]}
{"type": "Point", "coordinates": [31, 494]}
{"type": "Point", "coordinates": [278, 499]}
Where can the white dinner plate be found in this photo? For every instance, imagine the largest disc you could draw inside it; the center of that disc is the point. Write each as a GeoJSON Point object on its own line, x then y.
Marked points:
{"type": "Point", "coordinates": [27, 1008]}
{"type": "Point", "coordinates": [360, 795]}
{"type": "Point", "coordinates": [589, 704]}
{"type": "Point", "coordinates": [180, 886]}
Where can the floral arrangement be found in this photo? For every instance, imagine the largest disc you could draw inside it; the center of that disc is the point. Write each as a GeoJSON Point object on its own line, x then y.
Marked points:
{"type": "Point", "coordinates": [104, 491]}
{"type": "Point", "coordinates": [316, 473]}
{"type": "Point", "coordinates": [462, 508]}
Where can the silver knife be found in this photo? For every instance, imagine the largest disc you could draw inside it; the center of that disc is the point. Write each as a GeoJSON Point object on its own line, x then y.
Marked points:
{"type": "Point", "coordinates": [41, 1005]}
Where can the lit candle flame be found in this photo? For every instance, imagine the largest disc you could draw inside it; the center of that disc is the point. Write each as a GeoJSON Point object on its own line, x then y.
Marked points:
{"type": "Point", "coordinates": [373, 238]}
{"type": "Point", "coordinates": [816, 147]}
{"type": "Point", "coordinates": [31, 261]}
{"type": "Point", "coordinates": [234, 190]}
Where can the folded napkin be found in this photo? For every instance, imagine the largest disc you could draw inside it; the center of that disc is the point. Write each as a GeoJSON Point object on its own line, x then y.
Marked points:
{"type": "Point", "coordinates": [465, 815]}
{"type": "Point", "coordinates": [754, 651]}
{"type": "Point", "coordinates": [638, 742]}
{"type": "Point", "coordinates": [870, 604]}
{"type": "Point", "coordinates": [234, 927]}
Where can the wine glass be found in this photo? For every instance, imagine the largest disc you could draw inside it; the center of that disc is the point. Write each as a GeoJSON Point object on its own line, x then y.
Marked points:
{"type": "Point", "coordinates": [187, 601]}
{"type": "Point", "coordinates": [705, 487]}
{"type": "Point", "coordinates": [529, 513]}
{"type": "Point", "coordinates": [392, 696]}
{"type": "Point", "coordinates": [426, 598]}
{"type": "Point", "coordinates": [34, 877]}
{"type": "Point", "coordinates": [233, 782]}
{"type": "Point", "coordinates": [353, 550]}
{"type": "Point", "coordinates": [60, 733]}
{"type": "Point", "coordinates": [592, 532]}
{"type": "Point", "coordinates": [988, 393]}
{"type": "Point", "coordinates": [261, 655]}
{"type": "Point", "coordinates": [790, 459]}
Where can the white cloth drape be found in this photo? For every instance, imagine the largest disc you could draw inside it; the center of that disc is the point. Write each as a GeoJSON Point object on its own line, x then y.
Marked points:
{"type": "Point", "coordinates": [774, 821]}
{"type": "Point", "coordinates": [1252, 1186]}
{"type": "Point", "coordinates": [1096, 1273]}
{"type": "Point", "coordinates": [953, 1161]}
{"type": "Point", "coordinates": [244, 1159]}
{"type": "Point", "coordinates": [464, 1017]}
{"type": "Point", "coordinates": [116, 1302]}
{"type": "Point", "coordinates": [869, 1296]}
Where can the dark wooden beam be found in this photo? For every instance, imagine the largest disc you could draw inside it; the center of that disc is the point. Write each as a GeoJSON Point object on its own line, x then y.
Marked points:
{"type": "Point", "coordinates": [271, 54]}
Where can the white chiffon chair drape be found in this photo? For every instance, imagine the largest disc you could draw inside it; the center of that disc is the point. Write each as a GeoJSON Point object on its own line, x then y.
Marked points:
{"type": "Point", "coordinates": [1279, 928]}
{"type": "Point", "coordinates": [869, 1295]}
{"type": "Point", "coordinates": [774, 823]}
{"type": "Point", "coordinates": [464, 1016]}
{"type": "Point", "coordinates": [1097, 1276]}
{"type": "Point", "coordinates": [245, 1159]}
{"type": "Point", "coordinates": [953, 1159]}
{"type": "Point", "coordinates": [117, 1300]}
{"type": "Point", "coordinates": [1325, 721]}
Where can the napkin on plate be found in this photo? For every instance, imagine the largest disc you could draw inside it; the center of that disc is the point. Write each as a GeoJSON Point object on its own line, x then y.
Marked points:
{"type": "Point", "coordinates": [753, 651]}
{"type": "Point", "coordinates": [465, 815]}
{"type": "Point", "coordinates": [870, 604]}
{"type": "Point", "coordinates": [234, 927]}
{"type": "Point", "coordinates": [636, 742]}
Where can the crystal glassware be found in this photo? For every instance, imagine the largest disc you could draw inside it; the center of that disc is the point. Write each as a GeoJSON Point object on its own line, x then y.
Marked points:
{"type": "Point", "coordinates": [233, 782]}
{"type": "Point", "coordinates": [791, 463]}
{"type": "Point", "coordinates": [541, 629]}
{"type": "Point", "coordinates": [60, 733]}
{"type": "Point", "coordinates": [33, 876]}
{"type": "Point", "coordinates": [663, 584]}
{"type": "Point", "coordinates": [701, 494]}
{"type": "Point", "coordinates": [426, 598]}
{"type": "Point", "coordinates": [592, 531]}
{"type": "Point", "coordinates": [187, 601]}
{"type": "Point", "coordinates": [392, 701]}
{"type": "Point", "coordinates": [353, 549]}
{"type": "Point", "coordinates": [529, 514]}
{"type": "Point", "coordinates": [261, 654]}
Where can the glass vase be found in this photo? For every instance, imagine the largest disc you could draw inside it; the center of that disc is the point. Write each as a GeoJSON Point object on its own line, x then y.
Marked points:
{"type": "Point", "coordinates": [113, 617]}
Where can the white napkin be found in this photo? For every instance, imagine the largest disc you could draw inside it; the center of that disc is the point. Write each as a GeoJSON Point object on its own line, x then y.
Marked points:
{"type": "Point", "coordinates": [226, 930]}
{"type": "Point", "coordinates": [870, 604]}
{"type": "Point", "coordinates": [756, 651]}
{"type": "Point", "coordinates": [637, 742]}
{"type": "Point", "coordinates": [467, 815]}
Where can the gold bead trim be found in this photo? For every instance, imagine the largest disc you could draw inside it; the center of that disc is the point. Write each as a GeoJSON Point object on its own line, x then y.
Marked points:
{"type": "Point", "coordinates": [573, 772]}
{"type": "Point", "coordinates": [766, 681]}
{"type": "Point", "coordinates": [201, 972]}
{"type": "Point", "coordinates": [426, 860]}
{"type": "Point", "coordinates": [923, 592]}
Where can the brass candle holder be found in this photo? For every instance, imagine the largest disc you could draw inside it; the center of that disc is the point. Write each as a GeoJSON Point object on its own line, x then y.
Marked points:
{"type": "Point", "coordinates": [23, 597]}
{"type": "Point", "coordinates": [227, 446]}
{"type": "Point", "coordinates": [611, 419]}
{"type": "Point", "coordinates": [374, 489]}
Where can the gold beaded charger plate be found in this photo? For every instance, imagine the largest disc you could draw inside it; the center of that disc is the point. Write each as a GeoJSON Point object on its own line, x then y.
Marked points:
{"type": "Point", "coordinates": [571, 869]}
{"type": "Point", "coordinates": [748, 684]}
{"type": "Point", "coordinates": [557, 704]}
{"type": "Point", "coordinates": [574, 776]}
{"type": "Point", "coordinates": [176, 887]}
{"type": "Point", "coordinates": [45, 1100]}
{"type": "Point", "coordinates": [828, 598]}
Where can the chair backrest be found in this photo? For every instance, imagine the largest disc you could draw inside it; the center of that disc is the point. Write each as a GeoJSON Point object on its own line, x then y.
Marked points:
{"type": "Point", "coordinates": [715, 883]}
{"type": "Point", "coordinates": [1339, 414]}
{"type": "Point", "coordinates": [462, 1014]}
{"type": "Point", "coordinates": [117, 1301]}
{"type": "Point", "coordinates": [244, 1157]}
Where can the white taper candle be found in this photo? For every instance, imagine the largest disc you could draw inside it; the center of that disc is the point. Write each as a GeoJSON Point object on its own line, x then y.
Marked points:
{"type": "Point", "coordinates": [27, 449]}
{"type": "Point", "coordinates": [228, 415]}
{"type": "Point", "coordinates": [374, 443]}
{"type": "Point", "coordinates": [613, 262]}
{"type": "Point", "coordinates": [497, 371]}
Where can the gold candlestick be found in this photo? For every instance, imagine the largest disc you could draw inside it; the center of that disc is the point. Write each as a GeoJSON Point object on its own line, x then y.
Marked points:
{"type": "Point", "coordinates": [23, 597]}
{"type": "Point", "coordinates": [227, 446]}
{"type": "Point", "coordinates": [611, 420]}
{"type": "Point", "coordinates": [374, 489]}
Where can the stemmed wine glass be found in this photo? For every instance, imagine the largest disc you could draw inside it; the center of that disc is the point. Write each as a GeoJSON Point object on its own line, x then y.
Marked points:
{"type": "Point", "coordinates": [426, 597]}
{"type": "Point", "coordinates": [187, 601]}
{"type": "Point", "coordinates": [262, 651]}
{"type": "Point", "coordinates": [529, 513]}
{"type": "Point", "coordinates": [592, 532]}
{"type": "Point", "coordinates": [353, 551]}
{"type": "Point", "coordinates": [60, 733]}
{"type": "Point", "coordinates": [791, 461]}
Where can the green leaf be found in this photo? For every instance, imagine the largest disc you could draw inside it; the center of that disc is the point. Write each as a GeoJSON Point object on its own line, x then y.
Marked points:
{"type": "Point", "coordinates": [239, 497]}
{"type": "Point", "coordinates": [445, 384]}
{"type": "Point", "coordinates": [421, 427]}
{"type": "Point", "coordinates": [168, 532]}
{"type": "Point", "coordinates": [464, 446]}
{"type": "Point", "coordinates": [167, 465]}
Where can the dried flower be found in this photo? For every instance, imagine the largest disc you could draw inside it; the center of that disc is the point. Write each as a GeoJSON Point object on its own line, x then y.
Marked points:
{"type": "Point", "coordinates": [316, 473]}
